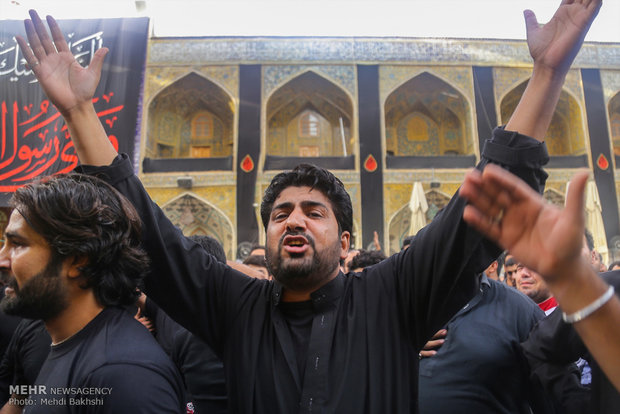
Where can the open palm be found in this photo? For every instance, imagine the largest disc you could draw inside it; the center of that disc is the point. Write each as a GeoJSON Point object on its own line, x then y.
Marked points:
{"type": "Point", "coordinates": [65, 82]}
{"type": "Point", "coordinates": [556, 44]}
{"type": "Point", "coordinates": [543, 237]}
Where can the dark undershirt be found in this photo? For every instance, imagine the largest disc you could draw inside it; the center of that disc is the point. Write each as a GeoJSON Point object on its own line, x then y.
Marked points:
{"type": "Point", "coordinates": [298, 316]}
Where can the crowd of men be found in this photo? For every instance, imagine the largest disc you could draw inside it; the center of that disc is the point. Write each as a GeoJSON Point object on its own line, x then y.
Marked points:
{"type": "Point", "coordinates": [142, 319]}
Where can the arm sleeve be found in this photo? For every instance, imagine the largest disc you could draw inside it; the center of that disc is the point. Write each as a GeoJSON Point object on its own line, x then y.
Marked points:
{"type": "Point", "coordinates": [189, 284]}
{"type": "Point", "coordinates": [435, 277]}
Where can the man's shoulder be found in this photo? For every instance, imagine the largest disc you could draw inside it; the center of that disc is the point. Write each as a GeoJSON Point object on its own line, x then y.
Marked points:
{"type": "Point", "coordinates": [116, 338]}
{"type": "Point", "coordinates": [613, 278]}
{"type": "Point", "coordinates": [514, 297]}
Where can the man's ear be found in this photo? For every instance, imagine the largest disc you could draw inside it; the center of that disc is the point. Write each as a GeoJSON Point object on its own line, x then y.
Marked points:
{"type": "Point", "coordinates": [345, 240]}
{"type": "Point", "coordinates": [74, 265]}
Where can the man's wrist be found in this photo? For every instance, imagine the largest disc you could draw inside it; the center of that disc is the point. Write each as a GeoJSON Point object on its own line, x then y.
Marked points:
{"type": "Point", "coordinates": [81, 110]}
{"type": "Point", "coordinates": [549, 76]}
{"type": "Point", "coordinates": [576, 287]}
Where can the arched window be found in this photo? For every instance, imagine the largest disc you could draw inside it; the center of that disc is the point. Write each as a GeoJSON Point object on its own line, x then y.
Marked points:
{"type": "Point", "coordinates": [309, 116]}
{"type": "Point", "coordinates": [202, 126]}
{"type": "Point", "coordinates": [309, 125]}
{"type": "Point", "coordinates": [191, 118]}
{"type": "Point", "coordinates": [201, 142]}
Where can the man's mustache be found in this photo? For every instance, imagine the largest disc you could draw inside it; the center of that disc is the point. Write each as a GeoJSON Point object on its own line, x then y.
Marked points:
{"type": "Point", "coordinates": [297, 233]}
{"type": "Point", "coordinates": [13, 284]}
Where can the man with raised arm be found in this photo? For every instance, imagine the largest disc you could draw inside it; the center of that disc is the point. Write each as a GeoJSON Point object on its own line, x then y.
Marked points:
{"type": "Point", "coordinates": [315, 339]}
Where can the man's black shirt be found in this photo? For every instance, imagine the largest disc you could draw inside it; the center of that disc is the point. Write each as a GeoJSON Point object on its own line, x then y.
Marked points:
{"type": "Point", "coordinates": [367, 328]}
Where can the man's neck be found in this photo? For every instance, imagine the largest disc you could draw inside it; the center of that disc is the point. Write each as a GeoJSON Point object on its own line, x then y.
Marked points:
{"type": "Point", "coordinates": [292, 295]}
{"type": "Point", "coordinates": [548, 304]}
{"type": "Point", "coordinates": [76, 316]}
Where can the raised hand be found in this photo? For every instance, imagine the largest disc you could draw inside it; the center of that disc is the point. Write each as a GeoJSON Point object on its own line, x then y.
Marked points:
{"type": "Point", "coordinates": [65, 82]}
{"type": "Point", "coordinates": [555, 44]}
{"type": "Point", "coordinates": [542, 236]}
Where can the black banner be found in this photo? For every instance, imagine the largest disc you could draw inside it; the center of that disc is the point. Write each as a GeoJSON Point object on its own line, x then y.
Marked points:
{"type": "Point", "coordinates": [34, 140]}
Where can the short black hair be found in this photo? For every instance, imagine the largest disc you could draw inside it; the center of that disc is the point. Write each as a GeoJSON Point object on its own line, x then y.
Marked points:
{"type": "Point", "coordinates": [589, 239]}
{"type": "Point", "coordinates": [211, 245]}
{"type": "Point", "coordinates": [315, 178]}
{"type": "Point", "coordinates": [612, 264]}
{"type": "Point", "coordinates": [83, 216]}
{"type": "Point", "coordinates": [366, 258]}
{"type": "Point", "coordinates": [256, 260]}
{"type": "Point", "coordinates": [407, 241]}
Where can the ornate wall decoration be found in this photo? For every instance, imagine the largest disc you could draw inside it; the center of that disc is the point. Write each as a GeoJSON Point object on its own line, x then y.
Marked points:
{"type": "Point", "coordinates": [194, 216]}
{"type": "Point", "coordinates": [566, 134]}
{"type": "Point", "coordinates": [505, 79]}
{"type": "Point", "coordinates": [360, 50]}
{"type": "Point", "coordinates": [159, 77]}
{"type": "Point", "coordinates": [275, 76]}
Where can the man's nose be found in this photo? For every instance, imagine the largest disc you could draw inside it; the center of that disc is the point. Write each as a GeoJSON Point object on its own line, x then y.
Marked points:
{"type": "Point", "coordinates": [296, 221]}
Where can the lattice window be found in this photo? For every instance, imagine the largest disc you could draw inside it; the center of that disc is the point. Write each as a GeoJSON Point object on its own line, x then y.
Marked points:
{"type": "Point", "coordinates": [309, 125]}
{"type": "Point", "coordinates": [202, 127]}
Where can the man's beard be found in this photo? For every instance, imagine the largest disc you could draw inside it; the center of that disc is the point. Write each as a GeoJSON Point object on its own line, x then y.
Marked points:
{"type": "Point", "coordinates": [44, 296]}
{"type": "Point", "coordinates": [297, 273]}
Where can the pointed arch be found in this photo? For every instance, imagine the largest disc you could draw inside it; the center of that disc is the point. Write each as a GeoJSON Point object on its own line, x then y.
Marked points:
{"type": "Point", "coordinates": [191, 118]}
{"type": "Point", "coordinates": [427, 116]}
{"type": "Point", "coordinates": [400, 222]}
{"type": "Point", "coordinates": [398, 229]}
{"type": "Point", "coordinates": [307, 117]}
{"type": "Point", "coordinates": [614, 122]}
{"type": "Point", "coordinates": [566, 134]}
{"type": "Point", "coordinates": [195, 216]}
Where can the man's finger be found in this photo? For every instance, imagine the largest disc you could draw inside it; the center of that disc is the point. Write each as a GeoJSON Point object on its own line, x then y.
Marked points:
{"type": "Point", "coordinates": [44, 38]}
{"type": "Point", "coordinates": [35, 43]}
{"type": "Point", "coordinates": [59, 38]}
{"type": "Point", "coordinates": [433, 344]}
{"type": "Point", "coordinates": [27, 52]}
{"type": "Point", "coordinates": [531, 23]}
{"type": "Point", "coordinates": [575, 204]}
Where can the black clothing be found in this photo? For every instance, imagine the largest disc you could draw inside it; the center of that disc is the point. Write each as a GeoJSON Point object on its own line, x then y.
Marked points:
{"type": "Point", "coordinates": [8, 324]}
{"type": "Point", "coordinates": [115, 357]}
{"type": "Point", "coordinates": [553, 341]}
{"type": "Point", "coordinates": [202, 371]}
{"type": "Point", "coordinates": [367, 328]}
{"type": "Point", "coordinates": [24, 356]}
{"type": "Point", "coordinates": [480, 367]}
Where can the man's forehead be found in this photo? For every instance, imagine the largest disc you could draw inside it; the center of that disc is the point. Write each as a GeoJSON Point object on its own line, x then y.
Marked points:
{"type": "Point", "coordinates": [16, 223]}
{"type": "Point", "coordinates": [296, 195]}
{"type": "Point", "coordinates": [18, 226]}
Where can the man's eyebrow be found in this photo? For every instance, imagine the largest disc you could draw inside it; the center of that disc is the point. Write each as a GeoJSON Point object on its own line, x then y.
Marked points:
{"type": "Point", "coordinates": [311, 203]}
{"type": "Point", "coordinates": [286, 204]}
{"type": "Point", "coordinates": [304, 204]}
{"type": "Point", "coordinates": [12, 235]}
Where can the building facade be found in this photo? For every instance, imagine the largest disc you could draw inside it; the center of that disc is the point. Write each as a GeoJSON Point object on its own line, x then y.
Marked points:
{"type": "Point", "coordinates": [221, 116]}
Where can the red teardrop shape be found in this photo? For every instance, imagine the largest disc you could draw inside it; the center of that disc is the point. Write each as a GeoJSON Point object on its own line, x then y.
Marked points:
{"type": "Point", "coordinates": [602, 162]}
{"type": "Point", "coordinates": [247, 164]}
{"type": "Point", "coordinates": [370, 164]}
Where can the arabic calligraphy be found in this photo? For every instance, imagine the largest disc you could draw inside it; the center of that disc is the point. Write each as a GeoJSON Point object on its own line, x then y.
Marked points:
{"type": "Point", "coordinates": [34, 140]}
{"type": "Point", "coordinates": [13, 63]}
